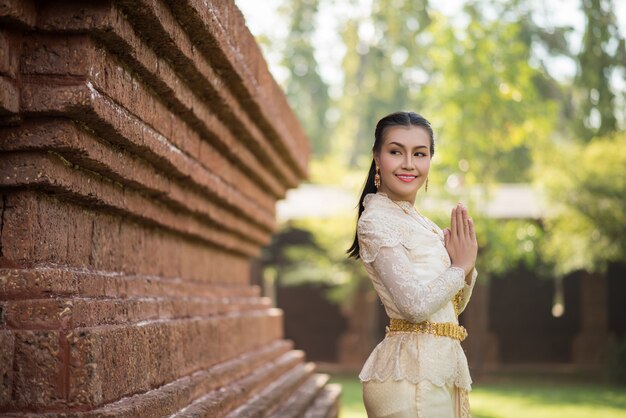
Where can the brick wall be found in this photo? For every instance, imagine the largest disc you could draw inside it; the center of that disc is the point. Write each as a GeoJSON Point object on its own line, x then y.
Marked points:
{"type": "Point", "coordinates": [144, 145]}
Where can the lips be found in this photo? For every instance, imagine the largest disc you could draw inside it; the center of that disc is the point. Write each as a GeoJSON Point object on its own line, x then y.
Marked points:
{"type": "Point", "coordinates": [407, 178]}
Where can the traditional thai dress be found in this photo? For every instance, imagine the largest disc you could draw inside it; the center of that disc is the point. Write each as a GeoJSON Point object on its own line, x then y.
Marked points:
{"type": "Point", "coordinates": [419, 369]}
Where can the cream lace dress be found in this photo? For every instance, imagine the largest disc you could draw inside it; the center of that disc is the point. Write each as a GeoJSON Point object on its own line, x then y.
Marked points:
{"type": "Point", "coordinates": [405, 257]}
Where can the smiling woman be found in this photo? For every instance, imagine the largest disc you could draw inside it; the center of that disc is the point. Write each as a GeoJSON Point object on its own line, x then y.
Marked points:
{"type": "Point", "coordinates": [424, 277]}
{"type": "Point", "coordinates": [404, 161]}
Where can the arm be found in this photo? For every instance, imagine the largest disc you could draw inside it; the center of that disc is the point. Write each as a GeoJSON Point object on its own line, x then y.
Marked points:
{"type": "Point", "coordinates": [464, 295]}
{"type": "Point", "coordinates": [414, 299]}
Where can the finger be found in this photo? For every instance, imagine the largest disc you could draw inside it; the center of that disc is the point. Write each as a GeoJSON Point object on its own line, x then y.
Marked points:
{"type": "Point", "coordinates": [472, 230]}
{"type": "Point", "coordinates": [465, 223]}
{"type": "Point", "coordinates": [453, 222]}
{"type": "Point", "coordinates": [459, 221]}
{"type": "Point", "coordinates": [446, 236]}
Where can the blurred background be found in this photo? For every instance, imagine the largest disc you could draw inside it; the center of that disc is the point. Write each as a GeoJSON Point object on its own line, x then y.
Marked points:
{"type": "Point", "coordinates": [528, 102]}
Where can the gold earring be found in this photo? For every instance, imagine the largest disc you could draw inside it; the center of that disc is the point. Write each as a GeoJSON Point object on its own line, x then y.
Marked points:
{"type": "Point", "coordinates": [377, 178]}
{"type": "Point", "coordinates": [426, 183]}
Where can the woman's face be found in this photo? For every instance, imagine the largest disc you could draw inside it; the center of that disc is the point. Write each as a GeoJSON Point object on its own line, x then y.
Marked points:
{"type": "Point", "coordinates": [404, 161]}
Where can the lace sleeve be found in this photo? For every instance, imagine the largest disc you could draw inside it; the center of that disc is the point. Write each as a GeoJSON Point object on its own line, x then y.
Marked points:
{"type": "Point", "coordinates": [466, 293]}
{"type": "Point", "coordinates": [414, 299]}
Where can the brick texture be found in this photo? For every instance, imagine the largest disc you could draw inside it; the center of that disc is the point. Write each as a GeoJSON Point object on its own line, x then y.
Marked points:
{"type": "Point", "coordinates": [143, 147]}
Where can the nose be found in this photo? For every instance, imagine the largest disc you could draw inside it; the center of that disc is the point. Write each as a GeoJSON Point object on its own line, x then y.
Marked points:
{"type": "Point", "coordinates": [407, 162]}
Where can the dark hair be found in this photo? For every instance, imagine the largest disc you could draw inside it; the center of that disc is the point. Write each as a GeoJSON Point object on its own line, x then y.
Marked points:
{"type": "Point", "coordinates": [406, 119]}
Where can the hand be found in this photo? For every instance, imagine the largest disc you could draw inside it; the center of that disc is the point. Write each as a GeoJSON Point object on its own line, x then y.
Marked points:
{"type": "Point", "coordinates": [460, 240]}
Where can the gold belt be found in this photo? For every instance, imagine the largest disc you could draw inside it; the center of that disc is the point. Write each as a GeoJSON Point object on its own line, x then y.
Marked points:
{"type": "Point", "coordinates": [442, 329]}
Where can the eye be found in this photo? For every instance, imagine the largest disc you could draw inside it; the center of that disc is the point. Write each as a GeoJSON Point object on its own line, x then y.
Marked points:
{"type": "Point", "coordinates": [420, 154]}
{"type": "Point", "coordinates": [394, 152]}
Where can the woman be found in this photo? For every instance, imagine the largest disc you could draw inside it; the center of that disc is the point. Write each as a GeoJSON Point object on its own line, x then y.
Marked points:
{"type": "Point", "coordinates": [424, 277]}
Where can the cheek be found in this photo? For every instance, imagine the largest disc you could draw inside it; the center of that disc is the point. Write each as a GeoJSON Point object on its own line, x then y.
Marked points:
{"type": "Point", "coordinates": [387, 164]}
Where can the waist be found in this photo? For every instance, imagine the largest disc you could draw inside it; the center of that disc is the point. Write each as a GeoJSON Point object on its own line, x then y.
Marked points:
{"type": "Point", "coordinates": [441, 329]}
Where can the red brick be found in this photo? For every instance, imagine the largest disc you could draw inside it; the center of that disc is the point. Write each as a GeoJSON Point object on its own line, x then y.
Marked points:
{"type": "Point", "coordinates": [7, 348]}
{"type": "Point", "coordinates": [29, 216]}
{"type": "Point", "coordinates": [272, 396]}
{"type": "Point", "coordinates": [245, 71]}
{"type": "Point", "coordinates": [21, 13]}
{"type": "Point", "coordinates": [9, 96]}
{"type": "Point", "coordinates": [37, 369]}
{"type": "Point", "coordinates": [79, 56]}
{"type": "Point", "coordinates": [10, 50]}
{"type": "Point", "coordinates": [220, 402]}
{"type": "Point", "coordinates": [85, 150]}
{"type": "Point", "coordinates": [52, 173]}
{"type": "Point", "coordinates": [113, 361]}
{"type": "Point", "coordinates": [173, 396]}
{"type": "Point", "coordinates": [148, 148]}
{"type": "Point", "coordinates": [190, 64]}
{"type": "Point", "coordinates": [104, 22]}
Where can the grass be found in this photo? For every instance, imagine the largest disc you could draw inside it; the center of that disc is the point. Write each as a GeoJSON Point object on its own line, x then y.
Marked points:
{"type": "Point", "coordinates": [519, 396]}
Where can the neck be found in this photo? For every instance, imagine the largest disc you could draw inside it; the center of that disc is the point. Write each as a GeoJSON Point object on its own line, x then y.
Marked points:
{"type": "Point", "coordinates": [395, 197]}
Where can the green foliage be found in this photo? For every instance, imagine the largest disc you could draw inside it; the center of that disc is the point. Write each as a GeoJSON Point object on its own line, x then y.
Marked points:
{"type": "Point", "coordinates": [484, 99]}
{"type": "Point", "coordinates": [498, 117]}
{"type": "Point", "coordinates": [325, 259]}
{"type": "Point", "coordinates": [506, 243]}
{"type": "Point", "coordinates": [378, 68]}
{"type": "Point", "coordinates": [602, 53]}
{"type": "Point", "coordinates": [587, 185]}
{"type": "Point", "coordinates": [305, 89]}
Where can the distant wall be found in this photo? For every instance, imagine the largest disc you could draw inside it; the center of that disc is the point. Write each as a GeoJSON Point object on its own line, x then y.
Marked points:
{"type": "Point", "coordinates": [144, 145]}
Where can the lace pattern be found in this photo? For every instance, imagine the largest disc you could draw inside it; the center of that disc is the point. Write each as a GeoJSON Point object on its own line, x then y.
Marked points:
{"type": "Point", "coordinates": [410, 270]}
{"type": "Point", "coordinates": [464, 404]}
{"type": "Point", "coordinates": [417, 357]}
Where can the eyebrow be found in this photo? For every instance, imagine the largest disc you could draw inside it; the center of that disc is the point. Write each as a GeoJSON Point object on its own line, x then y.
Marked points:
{"type": "Point", "coordinates": [402, 146]}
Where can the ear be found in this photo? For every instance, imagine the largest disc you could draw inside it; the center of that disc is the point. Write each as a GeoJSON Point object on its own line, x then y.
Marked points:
{"type": "Point", "coordinates": [376, 160]}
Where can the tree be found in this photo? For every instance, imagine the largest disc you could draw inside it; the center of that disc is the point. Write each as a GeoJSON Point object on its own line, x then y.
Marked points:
{"type": "Point", "coordinates": [588, 184]}
{"type": "Point", "coordinates": [602, 54]}
{"type": "Point", "coordinates": [306, 91]}
{"type": "Point", "coordinates": [585, 176]}
{"type": "Point", "coordinates": [382, 51]}
{"type": "Point", "coordinates": [488, 109]}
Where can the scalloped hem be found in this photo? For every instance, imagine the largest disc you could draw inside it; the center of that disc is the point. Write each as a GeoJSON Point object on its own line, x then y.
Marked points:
{"type": "Point", "coordinates": [436, 382]}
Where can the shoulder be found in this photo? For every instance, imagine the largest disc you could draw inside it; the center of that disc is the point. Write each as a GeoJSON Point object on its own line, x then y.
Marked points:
{"type": "Point", "coordinates": [384, 225]}
{"type": "Point", "coordinates": [379, 215]}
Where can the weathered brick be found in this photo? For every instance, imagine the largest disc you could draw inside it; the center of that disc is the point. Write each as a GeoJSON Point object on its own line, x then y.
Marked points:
{"type": "Point", "coordinates": [175, 395]}
{"type": "Point", "coordinates": [271, 396]}
{"type": "Point", "coordinates": [105, 75]}
{"type": "Point", "coordinates": [37, 369]}
{"type": "Point", "coordinates": [112, 361]}
{"type": "Point", "coordinates": [26, 233]}
{"type": "Point", "coordinates": [194, 98]}
{"type": "Point", "coordinates": [83, 149]}
{"type": "Point", "coordinates": [301, 399]}
{"type": "Point", "coordinates": [9, 96]}
{"type": "Point", "coordinates": [245, 70]}
{"type": "Point", "coordinates": [148, 146]}
{"type": "Point", "coordinates": [7, 349]}
{"type": "Point", "coordinates": [54, 174]}
{"type": "Point", "coordinates": [220, 402]}
{"type": "Point", "coordinates": [21, 13]}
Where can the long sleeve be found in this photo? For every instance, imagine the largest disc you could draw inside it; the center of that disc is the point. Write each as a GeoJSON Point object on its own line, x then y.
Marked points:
{"type": "Point", "coordinates": [415, 300]}
{"type": "Point", "coordinates": [463, 297]}
{"type": "Point", "coordinates": [410, 269]}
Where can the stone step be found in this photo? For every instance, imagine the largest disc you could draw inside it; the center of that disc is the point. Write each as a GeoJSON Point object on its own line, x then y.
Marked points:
{"type": "Point", "coordinates": [232, 397]}
{"type": "Point", "coordinates": [279, 390]}
{"type": "Point", "coordinates": [302, 398]}
{"type": "Point", "coordinates": [326, 404]}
